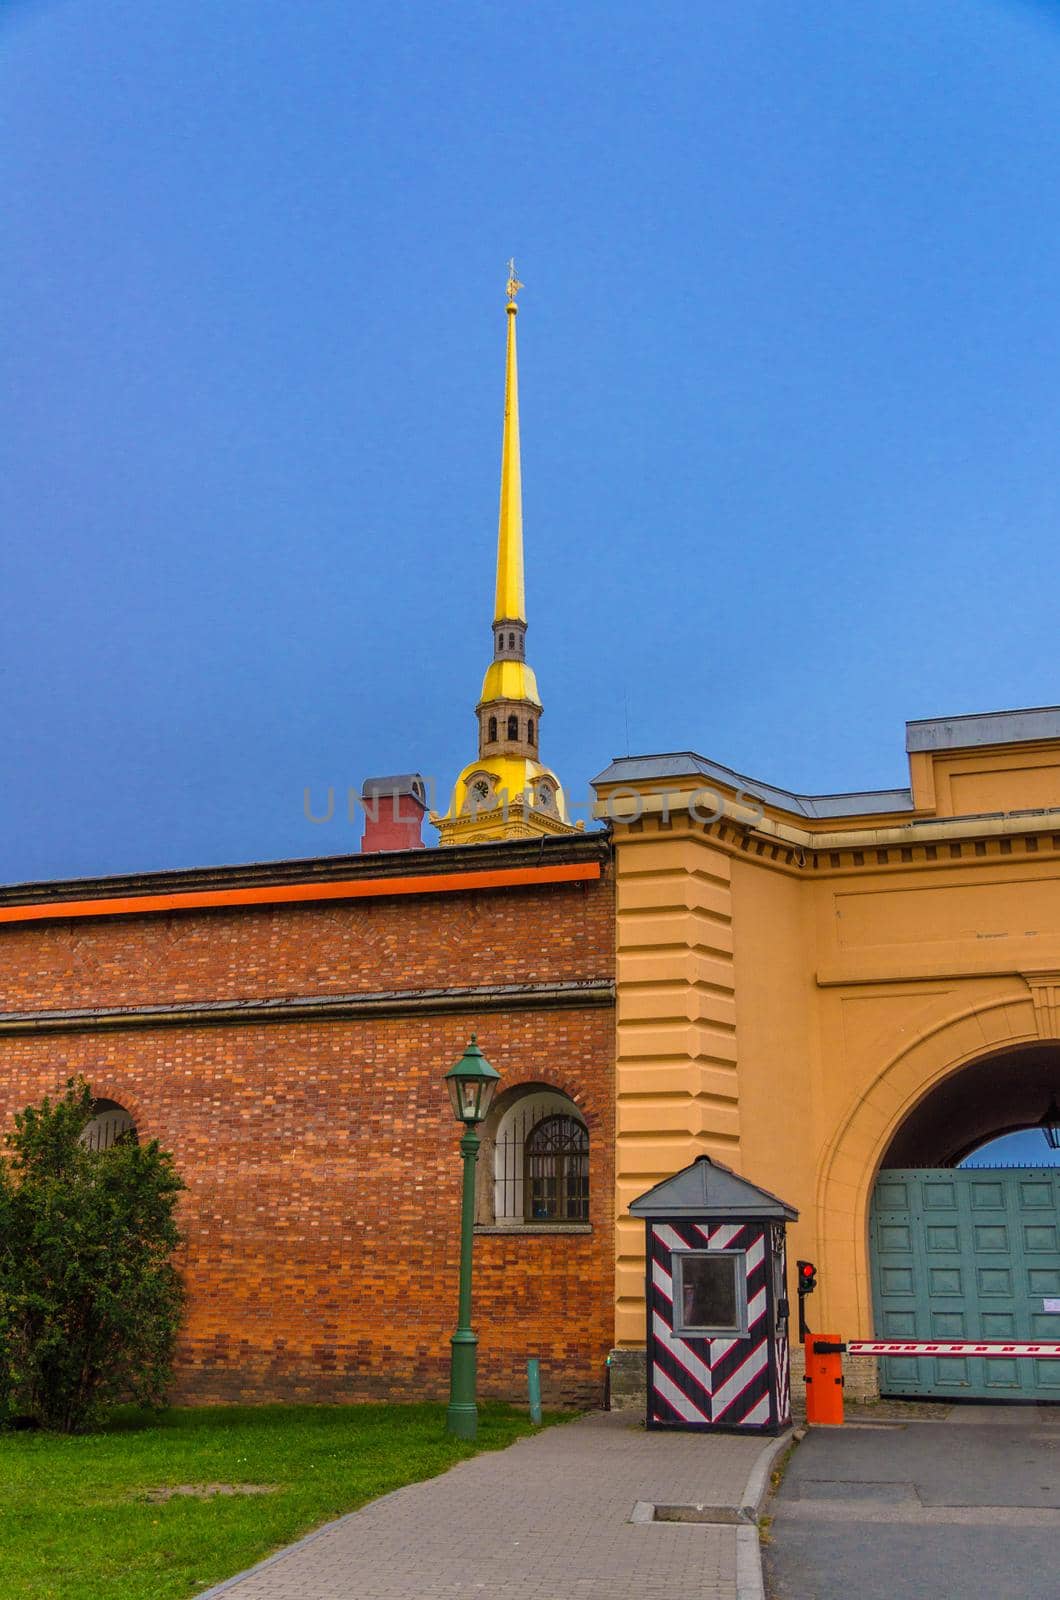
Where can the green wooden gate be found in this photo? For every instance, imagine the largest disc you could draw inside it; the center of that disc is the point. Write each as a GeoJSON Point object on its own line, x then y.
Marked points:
{"type": "Point", "coordinates": [967, 1254]}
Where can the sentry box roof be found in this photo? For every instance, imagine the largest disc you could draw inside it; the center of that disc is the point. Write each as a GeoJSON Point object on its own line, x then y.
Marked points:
{"type": "Point", "coordinates": [708, 1189]}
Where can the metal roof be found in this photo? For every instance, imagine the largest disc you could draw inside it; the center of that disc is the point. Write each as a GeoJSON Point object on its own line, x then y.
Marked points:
{"type": "Point", "coordinates": [934, 733]}
{"type": "Point", "coordinates": [982, 728]}
{"type": "Point", "coordinates": [631, 770]}
{"type": "Point", "coordinates": [400, 783]}
{"type": "Point", "coordinates": [709, 1189]}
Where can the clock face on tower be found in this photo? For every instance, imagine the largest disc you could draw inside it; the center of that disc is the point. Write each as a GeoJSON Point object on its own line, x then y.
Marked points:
{"type": "Point", "coordinates": [481, 789]}
{"type": "Point", "coordinates": [545, 797]}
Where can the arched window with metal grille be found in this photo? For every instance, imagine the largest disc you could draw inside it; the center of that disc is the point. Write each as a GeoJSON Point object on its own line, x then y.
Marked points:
{"type": "Point", "coordinates": [556, 1171]}
{"type": "Point", "coordinates": [110, 1123]}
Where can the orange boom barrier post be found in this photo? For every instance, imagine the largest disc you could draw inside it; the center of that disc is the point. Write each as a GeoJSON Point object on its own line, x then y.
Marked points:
{"type": "Point", "coordinates": [824, 1379]}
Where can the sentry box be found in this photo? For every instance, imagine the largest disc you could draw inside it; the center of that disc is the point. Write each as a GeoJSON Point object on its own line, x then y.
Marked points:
{"type": "Point", "coordinates": [717, 1302]}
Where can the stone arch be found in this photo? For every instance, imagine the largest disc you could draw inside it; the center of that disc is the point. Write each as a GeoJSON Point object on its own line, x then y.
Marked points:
{"type": "Point", "coordinates": [1005, 1091]}
{"type": "Point", "coordinates": [105, 1086]}
{"type": "Point", "coordinates": [548, 1078]}
{"type": "Point", "coordinates": [111, 1120]}
{"type": "Point", "coordinates": [855, 1150]}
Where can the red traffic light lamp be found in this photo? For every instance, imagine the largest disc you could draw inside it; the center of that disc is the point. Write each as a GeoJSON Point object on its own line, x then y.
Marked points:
{"type": "Point", "coordinates": [807, 1275]}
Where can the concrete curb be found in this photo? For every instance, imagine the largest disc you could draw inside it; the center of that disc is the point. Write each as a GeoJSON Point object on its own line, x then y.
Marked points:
{"type": "Point", "coordinates": [750, 1580]}
{"type": "Point", "coordinates": [757, 1485]}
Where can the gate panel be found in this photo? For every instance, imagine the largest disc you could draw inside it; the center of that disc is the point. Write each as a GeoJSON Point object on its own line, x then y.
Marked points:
{"type": "Point", "coordinates": [967, 1254]}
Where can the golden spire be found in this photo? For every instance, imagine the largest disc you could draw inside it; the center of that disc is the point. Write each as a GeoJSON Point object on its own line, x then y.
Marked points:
{"type": "Point", "coordinates": [506, 793]}
{"type": "Point", "coordinates": [510, 604]}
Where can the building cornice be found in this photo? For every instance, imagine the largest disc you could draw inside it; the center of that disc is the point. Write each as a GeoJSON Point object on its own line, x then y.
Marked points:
{"type": "Point", "coordinates": [742, 830]}
{"type": "Point", "coordinates": [579, 994]}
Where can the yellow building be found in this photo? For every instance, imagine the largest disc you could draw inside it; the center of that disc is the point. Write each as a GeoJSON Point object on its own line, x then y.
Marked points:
{"type": "Point", "coordinates": [839, 996]}
{"type": "Point", "coordinates": [816, 990]}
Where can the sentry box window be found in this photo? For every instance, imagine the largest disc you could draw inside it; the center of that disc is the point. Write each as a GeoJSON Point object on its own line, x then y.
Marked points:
{"type": "Point", "coordinates": [710, 1293]}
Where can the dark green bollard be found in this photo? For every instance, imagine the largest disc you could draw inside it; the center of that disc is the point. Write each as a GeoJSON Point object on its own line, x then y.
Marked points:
{"type": "Point", "coordinates": [533, 1379]}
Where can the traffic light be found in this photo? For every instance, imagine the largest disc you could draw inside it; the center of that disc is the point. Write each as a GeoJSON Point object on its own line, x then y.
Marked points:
{"type": "Point", "coordinates": [807, 1275]}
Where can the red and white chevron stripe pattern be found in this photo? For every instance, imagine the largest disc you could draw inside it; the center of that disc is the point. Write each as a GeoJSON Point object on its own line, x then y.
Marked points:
{"type": "Point", "coordinates": [778, 1242]}
{"type": "Point", "coordinates": [783, 1380]}
{"type": "Point", "coordinates": [720, 1381]}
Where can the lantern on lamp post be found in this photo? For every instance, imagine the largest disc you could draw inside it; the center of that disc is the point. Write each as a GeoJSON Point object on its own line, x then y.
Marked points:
{"type": "Point", "coordinates": [1050, 1124]}
{"type": "Point", "coordinates": [472, 1083]}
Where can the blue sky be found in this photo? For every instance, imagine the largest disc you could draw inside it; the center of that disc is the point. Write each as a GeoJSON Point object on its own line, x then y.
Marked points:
{"type": "Point", "coordinates": [790, 359]}
{"type": "Point", "coordinates": [1015, 1149]}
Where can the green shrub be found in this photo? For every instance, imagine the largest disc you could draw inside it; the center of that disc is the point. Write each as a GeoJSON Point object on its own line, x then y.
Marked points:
{"type": "Point", "coordinates": [90, 1301]}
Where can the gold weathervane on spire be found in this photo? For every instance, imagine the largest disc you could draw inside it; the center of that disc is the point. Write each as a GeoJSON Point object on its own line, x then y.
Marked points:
{"type": "Point", "coordinates": [513, 282]}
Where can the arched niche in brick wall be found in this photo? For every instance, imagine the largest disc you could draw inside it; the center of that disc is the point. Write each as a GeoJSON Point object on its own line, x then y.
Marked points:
{"type": "Point", "coordinates": [110, 1122]}
{"type": "Point", "coordinates": [503, 1198]}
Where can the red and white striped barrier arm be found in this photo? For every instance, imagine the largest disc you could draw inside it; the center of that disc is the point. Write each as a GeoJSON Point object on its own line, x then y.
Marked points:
{"type": "Point", "coordinates": [949, 1347]}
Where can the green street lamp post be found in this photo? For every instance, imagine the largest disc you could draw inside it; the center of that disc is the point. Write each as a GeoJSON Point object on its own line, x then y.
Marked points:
{"type": "Point", "coordinates": [472, 1083]}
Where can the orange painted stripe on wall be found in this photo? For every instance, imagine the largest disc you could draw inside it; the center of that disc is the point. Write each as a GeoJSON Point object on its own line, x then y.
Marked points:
{"type": "Point", "coordinates": [286, 893]}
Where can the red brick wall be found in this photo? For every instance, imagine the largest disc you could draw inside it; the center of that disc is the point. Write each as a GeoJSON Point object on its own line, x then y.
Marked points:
{"type": "Point", "coordinates": [554, 932]}
{"type": "Point", "coordinates": [321, 1158]}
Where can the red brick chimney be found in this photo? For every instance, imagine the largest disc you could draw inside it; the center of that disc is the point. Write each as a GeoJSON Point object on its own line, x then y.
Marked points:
{"type": "Point", "coordinates": [394, 809]}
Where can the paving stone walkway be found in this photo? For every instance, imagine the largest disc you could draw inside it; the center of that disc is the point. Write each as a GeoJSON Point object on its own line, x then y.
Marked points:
{"type": "Point", "coordinates": [546, 1519]}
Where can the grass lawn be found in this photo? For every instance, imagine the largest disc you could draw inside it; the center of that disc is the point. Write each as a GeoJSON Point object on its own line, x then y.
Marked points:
{"type": "Point", "coordinates": [76, 1523]}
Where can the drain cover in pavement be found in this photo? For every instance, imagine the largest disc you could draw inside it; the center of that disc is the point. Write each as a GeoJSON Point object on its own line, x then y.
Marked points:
{"type": "Point", "coordinates": [717, 1516]}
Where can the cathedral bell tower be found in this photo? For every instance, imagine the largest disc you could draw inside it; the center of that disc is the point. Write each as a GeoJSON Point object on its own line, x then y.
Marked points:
{"type": "Point", "coordinates": [507, 793]}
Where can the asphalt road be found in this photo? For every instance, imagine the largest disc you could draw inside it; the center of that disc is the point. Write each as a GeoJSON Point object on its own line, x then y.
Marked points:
{"type": "Point", "coordinates": [963, 1509]}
